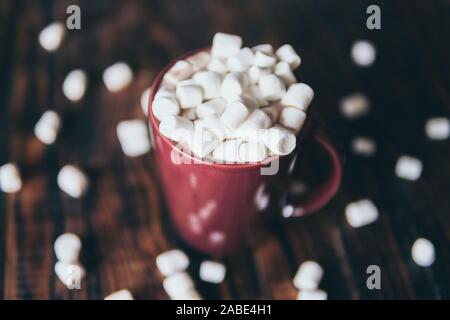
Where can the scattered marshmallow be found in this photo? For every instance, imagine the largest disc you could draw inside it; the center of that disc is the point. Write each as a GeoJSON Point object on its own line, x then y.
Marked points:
{"type": "Point", "coordinates": [164, 106]}
{"type": "Point", "coordinates": [287, 211]}
{"type": "Point", "coordinates": [308, 276]}
{"type": "Point", "coordinates": [292, 118]}
{"type": "Point", "coordinates": [211, 107]}
{"type": "Point", "coordinates": [117, 76]}
{"type": "Point", "coordinates": [363, 53]}
{"type": "Point", "coordinates": [361, 213]}
{"type": "Point", "coordinates": [423, 252]}
{"type": "Point", "coordinates": [438, 128]}
{"type": "Point", "coordinates": [287, 54]}
{"type": "Point", "coordinates": [144, 100]}
{"type": "Point", "coordinates": [299, 95]}
{"type": "Point", "coordinates": [234, 114]}
{"type": "Point", "coordinates": [72, 181]}
{"type": "Point", "coordinates": [123, 294]}
{"type": "Point", "coordinates": [284, 71]}
{"type": "Point", "coordinates": [177, 284]}
{"type": "Point", "coordinates": [225, 45]}
{"type": "Point", "coordinates": [264, 60]}
{"type": "Point", "coordinates": [312, 295]}
{"type": "Point", "coordinates": [210, 82]}
{"type": "Point", "coordinates": [10, 181]}
{"type": "Point", "coordinates": [51, 36]}
{"type": "Point", "coordinates": [172, 261]}
{"type": "Point", "coordinates": [74, 85]}
{"type": "Point", "coordinates": [363, 146]}
{"type": "Point", "coordinates": [67, 247]}
{"type": "Point", "coordinates": [272, 88]}
{"type": "Point", "coordinates": [176, 128]}
{"type": "Point", "coordinates": [211, 271]}
{"type": "Point", "coordinates": [189, 95]}
{"type": "Point", "coordinates": [47, 127]}
{"type": "Point", "coordinates": [199, 60]}
{"type": "Point", "coordinates": [179, 71]}
{"type": "Point", "coordinates": [408, 168]}
{"type": "Point", "coordinates": [280, 141]}
{"type": "Point", "coordinates": [234, 84]}
{"type": "Point", "coordinates": [133, 137]}
{"type": "Point", "coordinates": [354, 106]}
{"type": "Point", "coordinates": [70, 274]}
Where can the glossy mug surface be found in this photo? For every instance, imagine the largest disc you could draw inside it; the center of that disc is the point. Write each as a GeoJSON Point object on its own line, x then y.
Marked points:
{"type": "Point", "coordinates": [215, 206]}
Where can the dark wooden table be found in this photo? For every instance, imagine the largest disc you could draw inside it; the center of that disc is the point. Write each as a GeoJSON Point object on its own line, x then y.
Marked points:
{"type": "Point", "coordinates": [123, 220]}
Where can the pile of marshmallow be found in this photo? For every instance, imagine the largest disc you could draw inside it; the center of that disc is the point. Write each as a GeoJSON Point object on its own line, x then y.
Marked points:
{"type": "Point", "coordinates": [233, 104]}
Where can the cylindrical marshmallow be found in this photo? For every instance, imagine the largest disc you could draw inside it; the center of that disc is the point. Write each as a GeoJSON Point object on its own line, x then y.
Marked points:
{"type": "Point", "coordinates": [361, 213]}
{"type": "Point", "coordinates": [211, 107]}
{"type": "Point", "coordinates": [225, 45]}
{"type": "Point", "coordinates": [233, 85]}
{"type": "Point", "coordinates": [51, 36]}
{"type": "Point", "coordinates": [264, 60]}
{"type": "Point", "coordinates": [363, 53]}
{"type": "Point", "coordinates": [217, 65]}
{"type": "Point", "coordinates": [211, 271]}
{"type": "Point", "coordinates": [272, 88]}
{"type": "Point", "coordinates": [47, 127]}
{"type": "Point", "coordinates": [133, 137]}
{"type": "Point", "coordinates": [10, 181]}
{"type": "Point", "coordinates": [172, 261]}
{"type": "Point", "coordinates": [438, 128]}
{"type": "Point", "coordinates": [210, 82]}
{"type": "Point", "coordinates": [74, 85]}
{"type": "Point", "coordinates": [292, 118]}
{"type": "Point", "coordinates": [408, 168]}
{"type": "Point", "coordinates": [176, 128]}
{"type": "Point", "coordinates": [189, 95]}
{"type": "Point", "coordinates": [252, 152]}
{"type": "Point", "coordinates": [251, 128]}
{"type": "Point", "coordinates": [117, 77]}
{"type": "Point", "coordinates": [287, 53]}
{"type": "Point", "coordinates": [265, 48]}
{"type": "Point", "coordinates": [165, 106]}
{"type": "Point", "coordinates": [283, 70]}
{"type": "Point", "coordinates": [308, 276]}
{"type": "Point", "coordinates": [280, 141]}
{"type": "Point", "coordinates": [214, 124]}
{"type": "Point", "coordinates": [67, 247]}
{"type": "Point", "coordinates": [299, 95]}
{"type": "Point", "coordinates": [235, 113]}
{"type": "Point", "coordinates": [423, 252]}
{"type": "Point", "coordinates": [364, 146]}
{"type": "Point", "coordinates": [203, 142]}
{"type": "Point", "coordinates": [179, 71]}
{"type": "Point", "coordinates": [354, 106]}
{"type": "Point", "coordinates": [177, 284]}
{"type": "Point", "coordinates": [199, 60]}
{"type": "Point", "coordinates": [72, 181]}
{"type": "Point", "coordinates": [241, 61]}
{"type": "Point", "coordinates": [255, 73]}
{"type": "Point", "coordinates": [70, 274]}
{"type": "Point", "coordinates": [227, 151]}
{"type": "Point", "coordinates": [123, 294]}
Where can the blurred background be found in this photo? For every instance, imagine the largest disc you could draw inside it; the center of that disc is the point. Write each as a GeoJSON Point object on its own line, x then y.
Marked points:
{"type": "Point", "coordinates": [123, 220]}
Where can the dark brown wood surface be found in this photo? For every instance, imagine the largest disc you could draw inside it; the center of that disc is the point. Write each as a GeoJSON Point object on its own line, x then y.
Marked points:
{"type": "Point", "coordinates": [123, 220]}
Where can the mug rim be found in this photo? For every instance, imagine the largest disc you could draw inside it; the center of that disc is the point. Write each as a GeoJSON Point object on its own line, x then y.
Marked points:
{"type": "Point", "coordinates": [152, 121]}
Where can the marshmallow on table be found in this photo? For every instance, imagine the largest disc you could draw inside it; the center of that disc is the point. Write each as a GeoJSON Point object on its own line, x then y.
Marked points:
{"type": "Point", "coordinates": [117, 76]}
{"type": "Point", "coordinates": [252, 152]}
{"type": "Point", "coordinates": [51, 36]}
{"type": "Point", "coordinates": [225, 45]}
{"type": "Point", "coordinates": [361, 213]}
{"type": "Point", "coordinates": [211, 271]}
{"type": "Point", "coordinates": [363, 53]}
{"type": "Point", "coordinates": [312, 295]}
{"type": "Point", "coordinates": [354, 106]}
{"type": "Point", "coordinates": [72, 181]}
{"type": "Point", "coordinates": [254, 91]}
{"type": "Point", "coordinates": [144, 100]}
{"type": "Point", "coordinates": [179, 71]}
{"type": "Point", "coordinates": [298, 95]}
{"type": "Point", "coordinates": [163, 106]}
{"type": "Point", "coordinates": [211, 107]}
{"type": "Point", "coordinates": [408, 168]}
{"type": "Point", "coordinates": [189, 95]}
{"type": "Point", "coordinates": [176, 128]}
{"type": "Point", "coordinates": [255, 73]}
{"type": "Point", "coordinates": [177, 284]}
{"type": "Point", "coordinates": [217, 65]}
{"type": "Point", "coordinates": [287, 54]}
{"type": "Point", "coordinates": [47, 127]}
{"type": "Point", "coordinates": [210, 82]}
{"type": "Point", "coordinates": [308, 276]}
{"type": "Point", "coordinates": [233, 85]}
{"type": "Point", "coordinates": [264, 60]}
{"type": "Point", "coordinates": [74, 85]}
{"type": "Point", "coordinates": [10, 181]}
{"type": "Point", "coordinates": [279, 140]}
{"type": "Point", "coordinates": [438, 128]}
{"type": "Point", "coordinates": [199, 60]}
{"type": "Point", "coordinates": [265, 48]}
{"type": "Point", "coordinates": [423, 252]}
{"type": "Point", "coordinates": [364, 146]}
{"type": "Point", "coordinates": [283, 70]}
{"type": "Point", "coordinates": [172, 261]}
{"type": "Point", "coordinates": [241, 61]}
{"type": "Point", "coordinates": [67, 247]}
{"type": "Point", "coordinates": [272, 88]}
{"type": "Point", "coordinates": [70, 274]}
{"type": "Point", "coordinates": [235, 113]}
{"type": "Point", "coordinates": [133, 137]}
{"type": "Point", "coordinates": [123, 294]}
{"type": "Point", "coordinates": [227, 151]}
{"type": "Point", "coordinates": [292, 118]}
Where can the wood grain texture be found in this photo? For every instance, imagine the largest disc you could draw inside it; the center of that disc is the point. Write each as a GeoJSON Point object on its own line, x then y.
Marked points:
{"type": "Point", "coordinates": [123, 220]}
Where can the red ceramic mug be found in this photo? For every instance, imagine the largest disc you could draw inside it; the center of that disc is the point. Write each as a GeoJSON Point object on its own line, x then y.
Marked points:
{"type": "Point", "coordinates": [214, 207]}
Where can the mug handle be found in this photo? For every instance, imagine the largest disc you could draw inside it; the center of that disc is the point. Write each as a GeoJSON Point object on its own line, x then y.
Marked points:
{"type": "Point", "coordinates": [323, 193]}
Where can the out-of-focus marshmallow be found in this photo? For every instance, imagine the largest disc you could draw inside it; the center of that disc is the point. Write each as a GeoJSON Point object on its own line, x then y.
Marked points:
{"type": "Point", "coordinates": [241, 61]}
{"type": "Point", "coordinates": [123, 294]}
{"type": "Point", "coordinates": [308, 276]}
{"type": "Point", "coordinates": [272, 88]}
{"type": "Point", "coordinates": [292, 118]}
{"type": "Point", "coordinates": [51, 36]}
{"type": "Point", "coordinates": [74, 85]}
{"type": "Point", "coordinates": [225, 45]}
{"type": "Point", "coordinates": [211, 271]}
{"type": "Point", "coordinates": [10, 181]}
{"type": "Point", "coordinates": [423, 252]}
{"type": "Point", "coordinates": [363, 53]}
{"type": "Point", "coordinates": [144, 100]}
{"type": "Point", "coordinates": [70, 274]}
{"type": "Point", "coordinates": [287, 54]}
{"type": "Point", "coordinates": [264, 60]}
{"type": "Point", "coordinates": [437, 128]}
{"type": "Point", "coordinates": [47, 127]}
{"type": "Point", "coordinates": [172, 261]}
{"type": "Point", "coordinates": [298, 95]}
{"type": "Point", "coordinates": [235, 113]}
{"type": "Point", "coordinates": [211, 107]}
{"type": "Point", "coordinates": [178, 284]}
{"type": "Point", "coordinates": [280, 141]}
{"type": "Point", "coordinates": [176, 128]}
{"type": "Point", "coordinates": [354, 105]}
{"type": "Point", "coordinates": [117, 77]}
{"type": "Point", "coordinates": [363, 146]}
{"type": "Point", "coordinates": [199, 60]}
{"type": "Point", "coordinates": [189, 95]}
{"type": "Point", "coordinates": [361, 213]}
{"type": "Point", "coordinates": [312, 295]}
{"type": "Point", "coordinates": [72, 181]}
{"type": "Point", "coordinates": [255, 73]}
{"type": "Point", "coordinates": [409, 168]}
{"type": "Point", "coordinates": [227, 151]}
{"type": "Point", "coordinates": [133, 137]}
{"type": "Point", "coordinates": [217, 65]}
{"type": "Point", "coordinates": [67, 247]}
{"type": "Point", "coordinates": [283, 70]}
{"type": "Point", "coordinates": [252, 152]}
{"type": "Point", "coordinates": [210, 82]}
{"type": "Point", "coordinates": [265, 48]}
{"type": "Point", "coordinates": [179, 71]}
{"type": "Point", "coordinates": [234, 84]}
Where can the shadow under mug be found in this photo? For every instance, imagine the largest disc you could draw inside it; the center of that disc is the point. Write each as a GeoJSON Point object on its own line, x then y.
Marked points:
{"type": "Point", "coordinates": [215, 207]}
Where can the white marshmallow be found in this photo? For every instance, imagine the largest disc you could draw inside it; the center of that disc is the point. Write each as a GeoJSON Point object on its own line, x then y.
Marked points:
{"type": "Point", "coordinates": [254, 91]}
{"type": "Point", "coordinates": [189, 95]}
{"type": "Point", "coordinates": [251, 128]}
{"type": "Point", "coordinates": [179, 71]}
{"type": "Point", "coordinates": [117, 77]}
{"type": "Point", "coordinates": [211, 107]}
{"type": "Point", "coordinates": [123, 294]}
{"type": "Point", "coordinates": [165, 92]}
{"type": "Point", "coordinates": [172, 261]}
{"type": "Point", "coordinates": [165, 106]}
{"type": "Point", "coordinates": [204, 142]}
{"type": "Point", "coordinates": [217, 65]}
{"type": "Point", "coordinates": [264, 60]}
{"type": "Point", "coordinates": [273, 111]}
{"type": "Point", "coordinates": [287, 211]}
{"type": "Point", "coordinates": [210, 82]}
{"type": "Point", "coordinates": [255, 73]}
{"type": "Point", "coordinates": [144, 100]}
{"type": "Point", "coordinates": [227, 151]}
{"type": "Point", "coordinates": [234, 84]}
{"type": "Point", "coordinates": [438, 128]}
{"type": "Point", "coordinates": [70, 274]}
{"type": "Point", "coordinates": [225, 45]}
{"type": "Point", "coordinates": [272, 88]}
{"type": "Point", "coordinates": [74, 85]}
{"type": "Point", "coordinates": [241, 61]}
{"type": "Point", "coordinates": [199, 60]}
{"type": "Point", "coordinates": [189, 114]}
{"type": "Point", "coordinates": [252, 152]}
{"type": "Point", "coordinates": [354, 106]}
{"type": "Point", "coordinates": [211, 271]}
{"type": "Point", "coordinates": [287, 54]}
{"type": "Point", "coordinates": [283, 70]}
{"type": "Point", "coordinates": [47, 127]}
{"type": "Point", "coordinates": [133, 137]}
{"type": "Point", "coordinates": [312, 295]}
{"type": "Point", "coordinates": [280, 141]}
{"type": "Point", "coordinates": [214, 124]}
{"type": "Point", "coordinates": [408, 168]}
{"type": "Point", "coordinates": [308, 276]}
{"type": "Point", "coordinates": [299, 95]}
{"type": "Point", "coordinates": [364, 146]}
{"type": "Point", "coordinates": [361, 213]}
{"type": "Point", "coordinates": [72, 181]}
{"type": "Point", "coordinates": [67, 247]}
{"type": "Point", "coordinates": [178, 284]}
{"type": "Point", "coordinates": [363, 53]}
{"type": "Point", "coordinates": [51, 36]}
{"type": "Point", "coordinates": [176, 128]}
{"type": "Point", "coordinates": [10, 181]}
{"type": "Point", "coordinates": [264, 48]}
{"type": "Point", "coordinates": [292, 118]}
{"type": "Point", "coordinates": [423, 252]}
{"type": "Point", "coordinates": [235, 113]}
